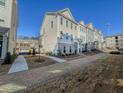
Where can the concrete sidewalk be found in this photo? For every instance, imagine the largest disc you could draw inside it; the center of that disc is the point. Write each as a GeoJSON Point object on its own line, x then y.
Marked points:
{"type": "Point", "coordinates": [19, 64]}
{"type": "Point", "coordinates": [59, 60]}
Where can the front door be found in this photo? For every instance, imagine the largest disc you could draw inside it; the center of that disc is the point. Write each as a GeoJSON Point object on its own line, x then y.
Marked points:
{"type": "Point", "coordinates": [1, 42]}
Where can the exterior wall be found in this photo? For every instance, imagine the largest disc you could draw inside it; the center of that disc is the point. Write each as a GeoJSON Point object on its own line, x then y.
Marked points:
{"type": "Point", "coordinates": [114, 42]}
{"type": "Point", "coordinates": [64, 29]}
{"type": "Point", "coordinates": [8, 25]}
{"type": "Point", "coordinates": [5, 13]}
{"type": "Point", "coordinates": [49, 35]}
{"type": "Point", "coordinates": [67, 36]}
{"type": "Point", "coordinates": [120, 40]}
{"type": "Point", "coordinates": [110, 42]}
{"type": "Point", "coordinates": [82, 37]}
{"type": "Point", "coordinates": [26, 45]}
{"type": "Point", "coordinates": [90, 39]}
{"type": "Point", "coordinates": [13, 29]}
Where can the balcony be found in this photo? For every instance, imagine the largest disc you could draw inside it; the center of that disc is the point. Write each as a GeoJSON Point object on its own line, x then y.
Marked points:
{"type": "Point", "coordinates": [4, 30]}
{"type": "Point", "coordinates": [66, 41]}
{"type": "Point", "coordinates": [2, 2]}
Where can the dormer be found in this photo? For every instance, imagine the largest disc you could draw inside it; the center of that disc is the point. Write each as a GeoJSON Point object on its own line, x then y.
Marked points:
{"type": "Point", "coordinates": [81, 22]}
{"type": "Point", "coordinates": [90, 26]}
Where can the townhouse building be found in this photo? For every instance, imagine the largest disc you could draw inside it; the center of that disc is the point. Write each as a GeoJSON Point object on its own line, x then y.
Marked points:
{"type": "Point", "coordinates": [90, 36]}
{"type": "Point", "coordinates": [60, 33]}
{"type": "Point", "coordinates": [114, 41]}
{"type": "Point", "coordinates": [8, 26]}
{"type": "Point", "coordinates": [26, 45]}
{"type": "Point", "coordinates": [98, 39]}
{"type": "Point", "coordinates": [81, 37]}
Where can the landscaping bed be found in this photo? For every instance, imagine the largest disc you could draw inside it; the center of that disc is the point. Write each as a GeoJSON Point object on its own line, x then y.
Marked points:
{"type": "Point", "coordinates": [77, 56]}
{"type": "Point", "coordinates": [35, 61]}
{"type": "Point", "coordinates": [4, 69]}
{"type": "Point", "coordinates": [71, 57]}
{"type": "Point", "coordinates": [6, 64]}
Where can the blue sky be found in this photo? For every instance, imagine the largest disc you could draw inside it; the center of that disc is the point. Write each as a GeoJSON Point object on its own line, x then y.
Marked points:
{"type": "Point", "coordinates": [99, 12]}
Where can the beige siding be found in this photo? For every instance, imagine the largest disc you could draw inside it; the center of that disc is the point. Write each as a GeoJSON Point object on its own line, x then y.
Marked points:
{"type": "Point", "coordinates": [49, 35]}
{"type": "Point", "coordinates": [65, 29]}
{"type": "Point", "coordinates": [13, 29]}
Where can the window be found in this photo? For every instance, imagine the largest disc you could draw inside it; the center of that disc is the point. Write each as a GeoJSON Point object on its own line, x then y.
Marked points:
{"type": "Point", "coordinates": [66, 36]}
{"type": "Point", "coordinates": [80, 29]}
{"type": "Point", "coordinates": [2, 2]}
{"type": "Point", "coordinates": [61, 35]}
{"type": "Point", "coordinates": [116, 37]}
{"type": "Point", "coordinates": [75, 27]}
{"type": "Point", "coordinates": [51, 24]}
{"type": "Point", "coordinates": [1, 20]}
{"type": "Point", "coordinates": [61, 21]}
{"type": "Point", "coordinates": [66, 23]}
{"type": "Point", "coordinates": [71, 26]}
{"type": "Point", "coordinates": [64, 50]}
{"type": "Point", "coordinates": [70, 49]}
{"type": "Point", "coordinates": [71, 37]}
{"type": "Point", "coordinates": [21, 44]}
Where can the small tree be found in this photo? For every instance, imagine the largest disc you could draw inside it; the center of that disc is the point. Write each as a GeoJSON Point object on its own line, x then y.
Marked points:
{"type": "Point", "coordinates": [59, 53]}
{"type": "Point", "coordinates": [34, 52]}
{"type": "Point", "coordinates": [8, 58]}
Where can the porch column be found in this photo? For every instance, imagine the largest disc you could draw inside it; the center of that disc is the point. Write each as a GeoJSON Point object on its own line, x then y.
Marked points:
{"type": "Point", "coordinates": [78, 47]}
{"type": "Point", "coordinates": [4, 46]}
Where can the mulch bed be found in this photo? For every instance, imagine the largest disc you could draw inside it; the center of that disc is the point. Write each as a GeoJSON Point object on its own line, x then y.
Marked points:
{"type": "Point", "coordinates": [4, 69]}
{"type": "Point", "coordinates": [35, 61]}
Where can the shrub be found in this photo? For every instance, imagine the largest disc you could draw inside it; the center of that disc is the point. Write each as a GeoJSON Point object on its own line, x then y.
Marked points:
{"type": "Point", "coordinates": [13, 57]}
{"type": "Point", "coordinates": [59, 53]}
{"type": "Point", "coordinates": [8, 59]}
{"type": "Point", "coordinates": [115, 52]}
{"type": "Point", "coordinates": [49, 53]}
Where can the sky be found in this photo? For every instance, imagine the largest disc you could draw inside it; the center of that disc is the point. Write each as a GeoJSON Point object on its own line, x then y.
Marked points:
{"type": "Point", "coordinates": [105, 15]}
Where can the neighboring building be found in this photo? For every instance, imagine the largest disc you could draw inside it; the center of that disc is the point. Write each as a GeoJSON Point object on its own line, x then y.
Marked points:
{"type": "Point", "coordinates": [26, 45]}
{"type": "Point", "coordinates": [114, 42]}
{"type": "Point", "coordinates": [98, 39]}
{"type": "Point", "coordinates": [8, 26]}
{"type": "Point", "coordinates": [61, 33]}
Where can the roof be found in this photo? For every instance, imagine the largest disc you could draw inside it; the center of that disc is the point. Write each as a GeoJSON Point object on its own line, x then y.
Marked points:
{"type": "Point", "coordinates": [90, 26]}
{"type": "Point", "coordinates": [66, 13]}
{"type": "Point", "coordinates": [118, 34]}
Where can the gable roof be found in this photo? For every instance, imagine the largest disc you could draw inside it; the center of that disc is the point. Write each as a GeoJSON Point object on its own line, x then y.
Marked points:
{"type": "Point", "coordinates": [67, 13]}
{"type": "Point", "coordinates": [82, 22]}
{"type": "Point", "coordinates": [90, 26]}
